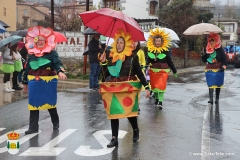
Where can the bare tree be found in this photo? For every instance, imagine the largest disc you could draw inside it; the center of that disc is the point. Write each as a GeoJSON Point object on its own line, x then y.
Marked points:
{"type": "Point", "coordinates": [67, 16]}
{"type": "Point", "coordinates": [230, 9]}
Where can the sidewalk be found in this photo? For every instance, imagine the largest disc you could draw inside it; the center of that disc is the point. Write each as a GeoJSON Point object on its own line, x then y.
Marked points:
{"type": "Point", "coordinates": [6, 98]}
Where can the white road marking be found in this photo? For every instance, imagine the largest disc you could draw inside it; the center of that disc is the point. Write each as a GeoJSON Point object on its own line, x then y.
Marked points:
{"type": "Point", "coordinates": [99, 135]}
{"type": "Point", "coordinates": [205, 144]}
{"type": "Point", "coordinates": [49, 149]}
{"type": "Point", "coordinates": [25, 138]}
{"type": "Point", "coordinates": [1, 129]}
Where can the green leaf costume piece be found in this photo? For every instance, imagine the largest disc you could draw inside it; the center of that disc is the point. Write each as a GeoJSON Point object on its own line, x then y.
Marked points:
{"type": "Point", "coordinates": [116, 107]}
{"type": "Point", "coordinates": [115, 70]}
{"type": "Point", "coordinates": [212, 57]}
{"type": "Point", "coordinates": [151, 55]}
{"type": "Point", "coordinates": [40, 62]}
{"type": "Point", "coordinates": [161, 56]}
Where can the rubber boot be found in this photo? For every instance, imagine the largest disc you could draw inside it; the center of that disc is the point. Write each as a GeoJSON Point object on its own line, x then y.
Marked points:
{"type": "Point", "coordinates": [15, 84]}
{"type": "Point", "coordinates": [135, 135]}
{"type": "Point", "coordinates": [6, 88]}
{"type": "Point", "coordinates": [217, 95]}
{"type": "Point", "coordinates": [9, 86]}
{"type": "Point", "coordinates": [210, 96]}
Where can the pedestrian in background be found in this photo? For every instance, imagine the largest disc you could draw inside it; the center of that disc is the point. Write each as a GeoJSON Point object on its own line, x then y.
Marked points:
{"type": "Point", "coordinates": [215, 67]}
{"type": "Point", "coordinates": [7, 67]}
{"type": "Point", "coordinates": [94, 47]}
{"type": "Point", "coordinates": [23, 52]}
{"type": "Point", "coordinates": [17, 66]}
{"type": "Point", "coordinates": [141, 55]}
{"type": "Point", "coordinates": [41, 75]}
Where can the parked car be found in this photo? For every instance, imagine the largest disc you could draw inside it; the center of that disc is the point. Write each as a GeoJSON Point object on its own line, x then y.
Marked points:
{"type": "Point", "coordinates": [232, 54]}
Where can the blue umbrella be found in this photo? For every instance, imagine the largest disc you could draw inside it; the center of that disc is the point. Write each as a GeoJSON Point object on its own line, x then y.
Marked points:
{"type": "Point", "coordinates": [12, 39]}
{"type": "Point", "coordinates": [2, 29]}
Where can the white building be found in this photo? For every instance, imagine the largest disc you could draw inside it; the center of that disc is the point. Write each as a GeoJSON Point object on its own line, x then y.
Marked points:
{"type": "Point", "coordinates": [143, 11]}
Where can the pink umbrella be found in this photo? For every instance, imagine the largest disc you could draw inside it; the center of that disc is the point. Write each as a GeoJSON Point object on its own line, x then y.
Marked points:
{"type": "Point", "coordinates": [107, 21]}
{"type": "Point", "coordinates": [60, 37]}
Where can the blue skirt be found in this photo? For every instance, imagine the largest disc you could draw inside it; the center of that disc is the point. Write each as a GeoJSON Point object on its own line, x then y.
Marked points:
{"type": "Point", "coordinates": [214, 78]}
{"type": "Point", "coordinates": [42, 92]}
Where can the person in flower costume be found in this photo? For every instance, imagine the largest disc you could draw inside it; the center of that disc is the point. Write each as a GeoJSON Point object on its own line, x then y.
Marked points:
{"type": "Point", "coordinates": [215, 67]}
{"type": "Point", "coordinates": [120, 92]}
{"type": "Point", "coordinates": [41, 75]}
{"type": "Point", "coordinates": [160, 62]}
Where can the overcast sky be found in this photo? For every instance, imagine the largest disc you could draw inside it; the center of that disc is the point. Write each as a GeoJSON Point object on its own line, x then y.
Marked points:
{"type": "Point", "coordinates": [226, 1]}
{"type": "Point", "coordinates": [95, 2]}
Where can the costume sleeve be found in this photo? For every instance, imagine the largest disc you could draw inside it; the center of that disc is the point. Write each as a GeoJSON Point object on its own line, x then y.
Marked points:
{"type": "Point", "coordinates": [223, 55]}
{"type": "Point", "coordinates": [205, 57]}
{"type": "Point", "coordinates": [170, 63]}
{"type": "Point", "coordinates": [57, 62]}
{"type": "Point", "coordinates": [25, 73]}
{"type": "Point", "coordinates": [141, 57]}
{"type": "Point", "coordinates": [137, 69]}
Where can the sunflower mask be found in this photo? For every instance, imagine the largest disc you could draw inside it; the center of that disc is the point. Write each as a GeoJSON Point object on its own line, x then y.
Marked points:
{"type": "Point", "coordinates": [165, 39]}
{"type": "Point", "coordinates": [125, 38]}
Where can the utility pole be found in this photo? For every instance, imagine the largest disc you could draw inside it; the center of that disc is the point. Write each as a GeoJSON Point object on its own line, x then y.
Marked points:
{"type": "Point", "coordinates": [85, 43]}
{"type": "Point", "coordinates": [52, 14]}
{"type": "Point", "coordinates": [218, 19]}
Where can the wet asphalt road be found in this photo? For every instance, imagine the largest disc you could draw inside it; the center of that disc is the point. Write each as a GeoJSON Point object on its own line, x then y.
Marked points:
{"type": "Point", "coordinates": [185, 127]}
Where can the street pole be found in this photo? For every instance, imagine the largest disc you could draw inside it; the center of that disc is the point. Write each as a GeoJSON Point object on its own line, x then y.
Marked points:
{"type": "Point", "coordinates": [85, 43]}
{"type": "Point", "coordinates": [218, 19]}
{"type": "Point", "coordinates": [52, 14]}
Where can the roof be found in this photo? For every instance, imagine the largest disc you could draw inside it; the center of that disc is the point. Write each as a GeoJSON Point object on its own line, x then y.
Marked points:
{"type": "Point", "coordinates": [32, 5]}
{"type": "Point", "coordinates": [203, 4]}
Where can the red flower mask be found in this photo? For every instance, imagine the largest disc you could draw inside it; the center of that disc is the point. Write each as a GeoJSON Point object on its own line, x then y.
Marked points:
{"type": "Point", "coordinates": [214, 42]}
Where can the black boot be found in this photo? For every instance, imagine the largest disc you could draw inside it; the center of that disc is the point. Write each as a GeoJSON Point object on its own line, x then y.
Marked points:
{"type": "Point", "coordinates": [55, 126]}
{"type": "Point", "coordinates": [210, 96]}
{"type": "Point", "coordinates": [159, 105]}
{"type": "Point", "coordinates": [135, 135]}
{"type": "Point", "coordinates": [156, 102]}
{"type": "Point", "coordinates": [14, 81]}
{"type": "Point", "coordinates": [33, 122]}
{"type": "Point", "coordinates": [114, 142]}
{"type": "Point", "coordinates": [217, 95]}
{"type": "Point", "coordinates": [16, 87]}
{"type": "Point", "coordinates": [30, 131]}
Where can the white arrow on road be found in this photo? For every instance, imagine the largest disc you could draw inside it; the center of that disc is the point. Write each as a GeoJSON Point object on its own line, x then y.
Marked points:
{"type": "Point", "coordinates": [49, 149]}
{"type": "Point", "coordinates": [99, 135]}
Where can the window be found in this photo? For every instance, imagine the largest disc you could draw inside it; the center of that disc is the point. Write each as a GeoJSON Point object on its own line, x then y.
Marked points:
{"type": "Point", "coordinates": [25, 22]}
{"type": "Point", "coordinates": [69, 15]}
{"type": "Point", "coordinates": [153, 5]}
{"type": "Point", "coordinates": [25, 12]}
{"type": "Point", "coordinates": [226, 37]}
{"type": "Point", "coordinates": [4, 11]}
{"type": "Point", "coordinates": [112, 3]}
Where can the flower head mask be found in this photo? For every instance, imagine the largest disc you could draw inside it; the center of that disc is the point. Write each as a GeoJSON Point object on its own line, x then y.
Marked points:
{"type": "Point", "coordinates": [214, 42]}
{"type": "Point", "coordinates": [165, 39]}
{"type": "Point", "coordinates": [40, 40]}
{"type": "Point", "coordinates": [119, 54]}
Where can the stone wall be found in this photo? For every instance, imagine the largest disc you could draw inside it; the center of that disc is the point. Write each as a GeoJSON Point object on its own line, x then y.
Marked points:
{"type": "Point", "coordinates": [179, 62]}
